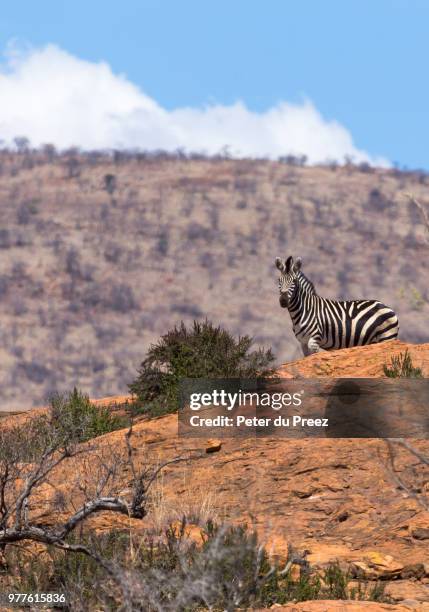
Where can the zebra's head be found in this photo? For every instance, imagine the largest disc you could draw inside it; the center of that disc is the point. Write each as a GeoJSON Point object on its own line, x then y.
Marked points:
{"type": "Point", "coordinates": [287, 281]}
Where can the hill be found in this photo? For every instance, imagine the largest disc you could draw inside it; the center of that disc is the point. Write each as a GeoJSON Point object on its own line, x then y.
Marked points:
{"type": "Point", "coordinates": [101, 255]}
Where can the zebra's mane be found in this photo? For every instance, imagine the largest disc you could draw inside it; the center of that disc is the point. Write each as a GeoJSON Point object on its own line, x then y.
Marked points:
{"type": "Point", "coordinates": [305, 283]}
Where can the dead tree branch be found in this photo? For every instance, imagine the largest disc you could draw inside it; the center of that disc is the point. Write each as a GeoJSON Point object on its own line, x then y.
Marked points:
{"type": "Point", "coordinates": [17, 526]}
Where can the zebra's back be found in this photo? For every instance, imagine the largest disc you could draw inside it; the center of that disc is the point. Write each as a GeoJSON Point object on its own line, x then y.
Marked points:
{"type": "Point", "coordinates": [355, 323]}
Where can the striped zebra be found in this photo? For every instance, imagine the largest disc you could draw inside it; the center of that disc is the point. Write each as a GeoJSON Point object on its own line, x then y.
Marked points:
{"type": "Point", "coordinates": [319, 323]}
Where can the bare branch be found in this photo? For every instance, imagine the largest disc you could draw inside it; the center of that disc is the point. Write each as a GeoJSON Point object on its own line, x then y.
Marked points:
{"type": "Point", "coordinates": [96, 487]}
{"type": "Point", "coordinates": [110, 504]}
{"type": "Point", "coordinates": [44, 467]}
{"type": "Point", "coordinates": [24, 529]}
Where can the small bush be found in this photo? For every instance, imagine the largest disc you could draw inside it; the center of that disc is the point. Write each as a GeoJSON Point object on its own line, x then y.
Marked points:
{"type": "Point", "coordinates": [110, 183]}
{"type": "Point", "coordinates": [74, 416]}
{"type": "Point", "coordinates": [24, 444]}
{"type": "Point", "coordinates": [121, 298]}
{"type": "Point", "coordinates": [35, 372]}
{"type": "Point", "coordinates": [203, 351]}
{"type": "Point", "coordinates": [186, 310]}
{"type": "Point", "coordinates": [5, 239]}
{"type": "Point", "coordinates": [402, 367]}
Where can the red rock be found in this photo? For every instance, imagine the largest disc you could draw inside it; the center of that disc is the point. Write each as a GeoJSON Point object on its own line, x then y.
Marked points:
{"type": "Point", "coordinates": [213, 446]}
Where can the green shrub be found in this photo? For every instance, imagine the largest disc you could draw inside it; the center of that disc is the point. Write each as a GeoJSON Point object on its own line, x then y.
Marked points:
{"type": "Point", "coordinates": [74, 417]}
{"type": "Point", "coordinates": [402, 367]}
{"type": "Point", "coordinates": [71, 418]}
{"type": "Point", "coordinates": [203, 351]}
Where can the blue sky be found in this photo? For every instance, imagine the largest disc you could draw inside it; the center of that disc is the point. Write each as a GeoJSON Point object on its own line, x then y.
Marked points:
{"type": "Point", "coordinates": [362, 64]}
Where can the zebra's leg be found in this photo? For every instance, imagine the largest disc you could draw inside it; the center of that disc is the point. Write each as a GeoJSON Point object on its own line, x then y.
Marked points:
{"type": "Point", "coordinates": [305, 349]}
{"type": "Point", "coordinates": [313, 346]}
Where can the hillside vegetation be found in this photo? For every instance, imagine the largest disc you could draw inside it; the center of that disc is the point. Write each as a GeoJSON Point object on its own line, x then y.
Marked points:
{"type": "Point", "coordinates": [101, 255]}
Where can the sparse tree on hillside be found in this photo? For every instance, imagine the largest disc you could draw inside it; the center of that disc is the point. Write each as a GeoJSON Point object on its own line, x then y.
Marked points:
{"type": "Point", "coordinates": [110, 183]}
{"type": "Point", "coordinates": [22, 143]}
{"type": "Point", "coordinates": [50, 151]}
{"type": "Point", "coordinates": [73, 167]}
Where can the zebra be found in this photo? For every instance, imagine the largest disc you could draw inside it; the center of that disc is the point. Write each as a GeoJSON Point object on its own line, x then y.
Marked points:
{"type": "Point", "coordinates": [319, 323]}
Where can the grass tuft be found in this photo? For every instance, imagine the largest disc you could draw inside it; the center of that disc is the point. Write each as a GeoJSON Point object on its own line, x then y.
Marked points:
{"type": "Point", "coordinates": [402, 367]}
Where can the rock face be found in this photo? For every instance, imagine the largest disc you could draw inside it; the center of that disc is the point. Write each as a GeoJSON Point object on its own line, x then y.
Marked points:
{"type": "Point", "coordinates": [337, 499]}
{"type": "Point", "coordinates": [358, 362]}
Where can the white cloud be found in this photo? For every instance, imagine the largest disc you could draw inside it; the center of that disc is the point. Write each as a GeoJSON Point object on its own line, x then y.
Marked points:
{"type": "Point", "coordinates": [51, 96]}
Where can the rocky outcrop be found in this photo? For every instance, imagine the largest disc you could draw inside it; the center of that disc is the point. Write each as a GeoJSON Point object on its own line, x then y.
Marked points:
{"type": "Point", "coordinates": [331, 499]}
{"type": "Point", "coordinates": [357, 362]}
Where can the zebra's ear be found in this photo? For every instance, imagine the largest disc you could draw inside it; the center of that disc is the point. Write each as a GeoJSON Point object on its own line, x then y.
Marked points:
{"type": "Point", "coordinates": [279, 264]}
{"type": "Point", "coordinates": [297, 264]}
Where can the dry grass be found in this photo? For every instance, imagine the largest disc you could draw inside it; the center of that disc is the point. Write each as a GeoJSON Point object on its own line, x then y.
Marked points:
{"type": "Point", "coordinates": [198, 503]}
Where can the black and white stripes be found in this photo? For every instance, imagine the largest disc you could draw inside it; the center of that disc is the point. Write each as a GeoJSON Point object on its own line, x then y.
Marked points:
{"type": "Point", "coordinates": [319, 323]}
